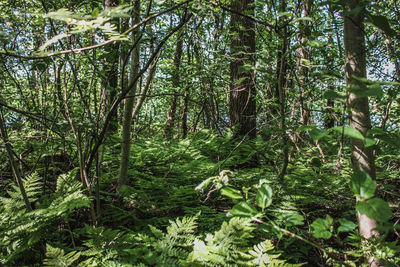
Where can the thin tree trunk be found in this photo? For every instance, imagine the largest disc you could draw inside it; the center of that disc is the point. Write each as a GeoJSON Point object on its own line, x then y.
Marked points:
{"type": "Point", "coordinates": [282, 79]}
{"type": "Point", "coordinates": [362, 156]}
{"type": "Point", "coordinates": [110, 84]}
{"type": "Point", "coordinates": [14, 168]}
{"type": "Point", "coordinates": [186, 99]}
{"type": "Point", "coordinates": [304, 62]}
{"type": "Point", "coordinates": [143, 92]}
{"type": "Point", "coordinates": [128, 108]}
{"type": "Point", "coordinates": [168, 132]}
{"type": "Point", "coordinates": [329, 117]}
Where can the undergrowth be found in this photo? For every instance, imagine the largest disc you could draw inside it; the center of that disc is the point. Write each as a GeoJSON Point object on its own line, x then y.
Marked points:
{"type": "Point", "coordinates": [160, 219]}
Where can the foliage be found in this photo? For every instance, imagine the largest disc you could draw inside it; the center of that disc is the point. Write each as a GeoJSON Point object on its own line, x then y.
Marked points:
{"type": "Point", "coordinates": [21, 231]}
{"type": "Point", "coordinates": [65, 67]}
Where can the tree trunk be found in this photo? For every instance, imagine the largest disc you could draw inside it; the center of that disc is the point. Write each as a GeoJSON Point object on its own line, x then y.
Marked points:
{"type": "Point", "coordinates": [14, 168]}
{"type": "Point", "coordinates": [281, 89]}
{"type": "Point", "coordinates": [110, 84]}
{"type": "Point", "coordinates": [242, 97]}
{"type": "Point", "coordinates": [362, 157]}
{"type": "Point", "coordinates": [329, 116]}
{"type": "Point", "coordinates": [128, 107]}
{"type": "Point", "coordinates": [186, 99]}
{"type": "Point", "coordinates": [304, 58]}
{"type": "Point", "coordinates": [168, 132]}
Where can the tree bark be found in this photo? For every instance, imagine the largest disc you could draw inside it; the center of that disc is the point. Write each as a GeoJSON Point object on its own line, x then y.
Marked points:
{"type": "Point", "coordinates": [242, 97]}
{"type": "Point", "coordinates": [362, 157]}
{"type": "Point", "coordinates": [129, 102]}
{"type": "Point", "coordinates": [304, 58]}
{"type": "Point", "coordinates": [168, 132]}
{"type": "Point", "coordinates": [281, 90]}
{"type": "Point", "coordinates": [14, 168]}
{"type": "Point", "coordinates": [186, 98]}
{"type": "Point", "coordinates": [110, 84]}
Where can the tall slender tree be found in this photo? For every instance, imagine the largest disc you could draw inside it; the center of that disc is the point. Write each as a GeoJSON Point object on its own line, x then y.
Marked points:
{"type": "Point", "coordinates": [129, 103]}
{"type": "Point", "coordinates": [304, 58]}
{"type": "Point", "coordinates": [168, 131]}
{"type": "Point", "coordinates": [111, 60]}
{"type": "Point", "coordinates": [362, 157]}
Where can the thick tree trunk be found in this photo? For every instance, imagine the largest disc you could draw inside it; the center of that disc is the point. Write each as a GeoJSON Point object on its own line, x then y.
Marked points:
{"type": "Point", "coordinates": [362, 157]}
{"type": "Point", "coordinates": [129, 102]}
{"type": "Point", "coordinates": [242, 105]}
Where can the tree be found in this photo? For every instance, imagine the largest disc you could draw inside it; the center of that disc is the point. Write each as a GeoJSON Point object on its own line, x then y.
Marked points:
{"type": "Point", "coordinates": [304, 61]}
{"type": "Point", "coordinates": [111, 60]}
{"type": "Point", "coordinates": [362, 157]}
{"type": "Point", "coordinates": [168, 131]}
{"type": "Point", "coordinates": [242, 95]}
{"type": "Point", "coordinates": [128, 107]}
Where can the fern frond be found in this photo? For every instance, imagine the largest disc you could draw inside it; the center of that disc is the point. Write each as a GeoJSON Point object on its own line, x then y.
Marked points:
{"type": "Point", "coordinates": [56, 257]}
{"type": "Point", "coordinates": [20, 230]}
{"type": "Point", "coordinates": [32, 185]}
{"type": "Point", "coordinates": [262, 255]}
{"type": "Point", "coordinates": [67, 183]}
{"type": "Point", "coordinates": [225, 246]}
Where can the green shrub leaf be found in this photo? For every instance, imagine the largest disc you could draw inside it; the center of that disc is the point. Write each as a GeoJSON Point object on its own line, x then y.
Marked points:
{"type": "Point", "coordinates": [231, 192]}
{"type": "Point", "coordinates": [346, 225]}
{"type": "Point", "coordinates": [322, 228]}
{"type": "Point", "coordinates": [375, 208]}
{"type": "Point", "coordinates": [243, 209]}
{"type": "Point", "coordinates": [362, 185]}
{"type": "Point", "coordinates": [264, 196]}
{"type": "Point", "coordinates": [382, 23]}
{"type": "Point", "coordinates": [291, 219]}
{"type": "Point", "coordinates": [349, 132]}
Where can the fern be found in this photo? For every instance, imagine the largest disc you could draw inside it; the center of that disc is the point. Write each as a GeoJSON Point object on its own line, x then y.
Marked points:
{"type": "Point", "coordinates": [261, 256]}
{"type": "Point", "coordinates": [225, 246]}
{"type": "Point", "coordinates": [173, 247]}
{"type": "Point", "coordinates": [56, 257]}
{"type": "Point", "coordinates": [15, 202]}
{"type": "Point", "coordinates": [229, 247]}
{"type": "Point", "coordinates": [21, 231]}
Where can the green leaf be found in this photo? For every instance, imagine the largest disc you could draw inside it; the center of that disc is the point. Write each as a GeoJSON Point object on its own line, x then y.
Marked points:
{"type": "Point", "coordinates": [264, 196]}
{"type": "Point", "coordinates": [322, 228]}
{"type": "Point", "coordinates": [369, 142]}
{"type": "Point", "coordinates": [291, 219]}
{"type": "Point", "coordinates": [304, 19]}
{"type": "Point", "coordinates": [349, 132]}
{"type": "Point", "coordinates": [386, 137]}
{"type": "Point", "coordinates": [243, 209]}
{"type": "Point", "coordinates": [333, 95]}
{"type": "Point", "coordinates": [203, 185]}
{"type": "Point", "coordinates": [317, 134]}
{"type": "Point", "coordinates": [375, 208]}
{"type": "Point", "coordinates": [362, 185]}
{"type": "Point", "coordinates": [313, 131]}
{"type": "Point", "coordinates": [95, 12]}
{"type": "Point", "coordinates": [370, 90]}
{"type": "Point", "coordinates": [231, 192]}
{"type": "Point", "coordinates": [346, 225]}
{"type": "Point", "coordinates": [316, 44]}
{"type": "Point", "coordinates": [382, 23]}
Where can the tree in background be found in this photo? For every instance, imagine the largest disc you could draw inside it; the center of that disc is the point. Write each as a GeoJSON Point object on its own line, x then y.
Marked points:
{"type": "Point", "coordinates": [242, 95]}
